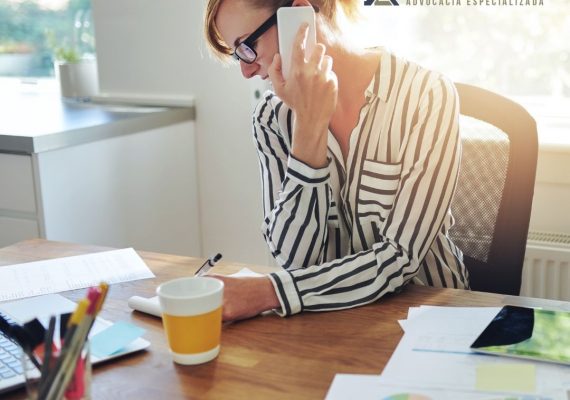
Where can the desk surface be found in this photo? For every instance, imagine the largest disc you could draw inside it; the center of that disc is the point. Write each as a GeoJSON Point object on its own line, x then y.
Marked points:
{"type": "Point", "coordinates": [267, 357]}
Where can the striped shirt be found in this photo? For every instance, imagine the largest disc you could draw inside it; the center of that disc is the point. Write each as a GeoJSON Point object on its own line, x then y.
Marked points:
{"type": "Point", "coordinates": [349, 233]}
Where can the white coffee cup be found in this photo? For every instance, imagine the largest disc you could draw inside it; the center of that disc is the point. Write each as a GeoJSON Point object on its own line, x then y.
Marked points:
{"type": "Point", "coordinates": [192, 318]}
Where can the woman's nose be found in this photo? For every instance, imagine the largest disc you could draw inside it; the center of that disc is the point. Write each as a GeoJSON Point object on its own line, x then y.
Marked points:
{"type": "Point", "coordinates": [248, 70]}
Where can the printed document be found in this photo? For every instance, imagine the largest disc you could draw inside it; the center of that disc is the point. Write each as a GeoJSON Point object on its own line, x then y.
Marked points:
{"type": "Point", "coordinates": [69, 273]}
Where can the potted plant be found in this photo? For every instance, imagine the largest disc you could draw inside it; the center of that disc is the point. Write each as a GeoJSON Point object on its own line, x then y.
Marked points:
{"type": "Point", "coordinates": [77, 75]}
{"type": "Point", "coordinates": [75, 65]}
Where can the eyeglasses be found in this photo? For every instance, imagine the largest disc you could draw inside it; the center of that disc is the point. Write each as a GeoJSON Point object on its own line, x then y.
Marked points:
{"type": "Point", "coordinates": [245, 51]}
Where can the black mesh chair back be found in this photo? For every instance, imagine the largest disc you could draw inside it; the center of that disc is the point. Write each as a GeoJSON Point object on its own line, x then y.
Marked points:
{"type": "Point", "coordinates": [493, 199]}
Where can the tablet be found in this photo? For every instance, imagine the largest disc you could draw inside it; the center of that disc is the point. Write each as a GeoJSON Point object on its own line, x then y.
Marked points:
{"type": "Point", "coordinates": [527, 333]}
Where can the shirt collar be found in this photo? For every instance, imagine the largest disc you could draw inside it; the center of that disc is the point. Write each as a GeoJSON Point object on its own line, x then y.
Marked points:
{"type": "Point", "coordinates": [378, 86]}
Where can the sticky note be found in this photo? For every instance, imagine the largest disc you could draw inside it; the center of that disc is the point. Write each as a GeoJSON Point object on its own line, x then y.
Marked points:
{"type": "Point", "coordinates": [114, 338]}
{"type": "Point", "coordinates": [506, 377]}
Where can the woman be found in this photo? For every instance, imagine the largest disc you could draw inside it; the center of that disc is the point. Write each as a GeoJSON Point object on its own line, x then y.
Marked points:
{"type": "Point", "coordinates": [359, 155]}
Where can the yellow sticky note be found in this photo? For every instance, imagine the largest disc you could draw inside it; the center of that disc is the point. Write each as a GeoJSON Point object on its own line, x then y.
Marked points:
{"type": "Point", "coordinates": [506, 377]}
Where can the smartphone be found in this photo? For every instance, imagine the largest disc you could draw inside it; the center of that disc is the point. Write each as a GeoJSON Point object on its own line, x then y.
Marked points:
{"type": "Point", "coordinates": [289, 20]}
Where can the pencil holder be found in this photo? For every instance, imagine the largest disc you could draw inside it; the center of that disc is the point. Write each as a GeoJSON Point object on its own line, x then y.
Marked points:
{"type": "Point", "coordinates": [79, 387]}
{"type": "Point", "coordinates": [73, 383]}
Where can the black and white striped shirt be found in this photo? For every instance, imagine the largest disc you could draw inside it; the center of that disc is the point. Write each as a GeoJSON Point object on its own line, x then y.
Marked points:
{"type": "Point", "coordinates": [349, 233]}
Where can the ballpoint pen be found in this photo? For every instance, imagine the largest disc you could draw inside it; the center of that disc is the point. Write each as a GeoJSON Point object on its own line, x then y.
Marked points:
{"type": "Point", "coordinates": [48, 347]}
{"type": "Point", "coordinates": [210, 262]}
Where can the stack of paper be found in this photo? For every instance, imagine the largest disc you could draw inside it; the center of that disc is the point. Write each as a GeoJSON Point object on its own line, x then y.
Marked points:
{"type": "Point", "coordinates": [433, 361]}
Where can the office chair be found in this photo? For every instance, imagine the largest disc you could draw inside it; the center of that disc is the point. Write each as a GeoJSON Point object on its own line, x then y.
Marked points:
{"type": "Point", "coordinates": [493, 198]}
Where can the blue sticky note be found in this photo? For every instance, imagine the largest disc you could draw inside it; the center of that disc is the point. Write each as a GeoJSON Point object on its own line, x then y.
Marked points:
{"type": "Point", "coordinates": [114, 338]}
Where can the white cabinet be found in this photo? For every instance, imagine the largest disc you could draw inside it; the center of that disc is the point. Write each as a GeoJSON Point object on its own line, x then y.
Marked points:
{"type": "Point", "coordinates": [15, 229]}
{"type": "Point", "coordinates": [18, 219]}
{"type": "Point", "coordinates": [134, 189]}
{"type": "Point", "coordinates": [16, 183]}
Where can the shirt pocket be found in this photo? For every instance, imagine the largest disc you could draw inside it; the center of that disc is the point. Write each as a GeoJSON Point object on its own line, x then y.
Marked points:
{"type": "Point", "coordinates": [377, 190]}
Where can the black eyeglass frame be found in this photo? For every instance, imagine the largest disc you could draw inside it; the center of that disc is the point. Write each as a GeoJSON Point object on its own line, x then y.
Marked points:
{"type": "Point", "coordinates": [250, 40]}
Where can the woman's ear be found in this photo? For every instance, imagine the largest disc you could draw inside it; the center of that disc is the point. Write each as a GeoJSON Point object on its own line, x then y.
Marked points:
{"type": "Point", "coordinates": [301, 3]}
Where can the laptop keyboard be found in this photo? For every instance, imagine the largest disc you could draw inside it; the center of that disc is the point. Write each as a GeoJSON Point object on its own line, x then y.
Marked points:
{"type": "Point", "coordinates": [11, 371]}
{"type": "Point", "coordinates": [10, 358]}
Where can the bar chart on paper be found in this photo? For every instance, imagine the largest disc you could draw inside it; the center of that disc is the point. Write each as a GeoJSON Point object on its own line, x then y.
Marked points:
{"type": "Point", "coordinates": [70, 273]}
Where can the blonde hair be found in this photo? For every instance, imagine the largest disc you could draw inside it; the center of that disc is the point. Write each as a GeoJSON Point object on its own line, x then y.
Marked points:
{"type": "Point", "coordinates": [328, 11]}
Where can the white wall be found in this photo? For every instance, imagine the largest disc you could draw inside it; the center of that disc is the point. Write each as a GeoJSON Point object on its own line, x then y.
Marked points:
{"type": "Point", "coordinates": [156, 49]}
{"type": "Point", "coordinates": [550, 207]}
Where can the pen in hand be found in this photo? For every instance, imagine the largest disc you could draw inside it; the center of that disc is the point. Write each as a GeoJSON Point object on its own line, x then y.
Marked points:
{"type": "Point", "coordinates": [210, 262]}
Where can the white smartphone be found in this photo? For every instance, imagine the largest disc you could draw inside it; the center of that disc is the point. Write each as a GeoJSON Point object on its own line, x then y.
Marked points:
{"type": "Point", "coordinates": [289, 20]}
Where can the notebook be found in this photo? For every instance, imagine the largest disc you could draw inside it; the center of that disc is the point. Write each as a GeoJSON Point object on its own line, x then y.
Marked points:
{"type": "Point", "coordinates": [42, 307]}
{"type": "Point", "coordinates": [528, 333]}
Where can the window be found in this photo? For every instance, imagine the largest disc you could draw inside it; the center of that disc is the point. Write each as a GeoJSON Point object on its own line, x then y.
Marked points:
{"type": "Point", "coordinates": [30, 30]}
{"type": "Point", "coordinates": [513, 49]}
{"type": "Point", "coordinates": [519, 51]}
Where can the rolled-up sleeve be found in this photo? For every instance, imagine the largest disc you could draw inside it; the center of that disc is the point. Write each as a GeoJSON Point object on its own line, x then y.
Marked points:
{"type": "Point", "coordinates": [296, 197]}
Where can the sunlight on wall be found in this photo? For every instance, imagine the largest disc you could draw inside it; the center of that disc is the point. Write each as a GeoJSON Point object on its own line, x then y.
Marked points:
{"type": "Point", "coordinates": [522, 51]}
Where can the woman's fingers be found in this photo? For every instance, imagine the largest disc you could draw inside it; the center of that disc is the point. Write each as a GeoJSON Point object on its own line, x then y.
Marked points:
{"type": "Point", "coordinates": [326, 64]}
{"type": "Point", "coordinates": [316, 58]}
{"type": "Point", "coordinates": [299, 45]}
{"type": "Point", "coordinates": [310, 89]}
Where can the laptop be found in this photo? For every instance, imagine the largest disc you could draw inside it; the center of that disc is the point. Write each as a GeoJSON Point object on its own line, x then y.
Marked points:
{"type": "Point", "coordinates": [42, 307]}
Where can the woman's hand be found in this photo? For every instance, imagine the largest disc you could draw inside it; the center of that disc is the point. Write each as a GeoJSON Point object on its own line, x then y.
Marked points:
{"type": "Point", "coordinates": [311, 92]}
{"type": "Point", "coordinates": [246, 297]}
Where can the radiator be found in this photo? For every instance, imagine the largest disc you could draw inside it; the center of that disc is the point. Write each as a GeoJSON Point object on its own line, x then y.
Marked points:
{"type": "Point", "coordinates": [546, 269]}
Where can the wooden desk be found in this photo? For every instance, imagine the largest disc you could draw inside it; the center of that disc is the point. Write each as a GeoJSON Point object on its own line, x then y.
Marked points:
{"type": "Point", "coordinates": [268, 357]}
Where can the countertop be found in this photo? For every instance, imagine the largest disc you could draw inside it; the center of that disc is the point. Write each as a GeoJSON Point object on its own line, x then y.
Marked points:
{"type": "Point", "coordinates": [37, 122]}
